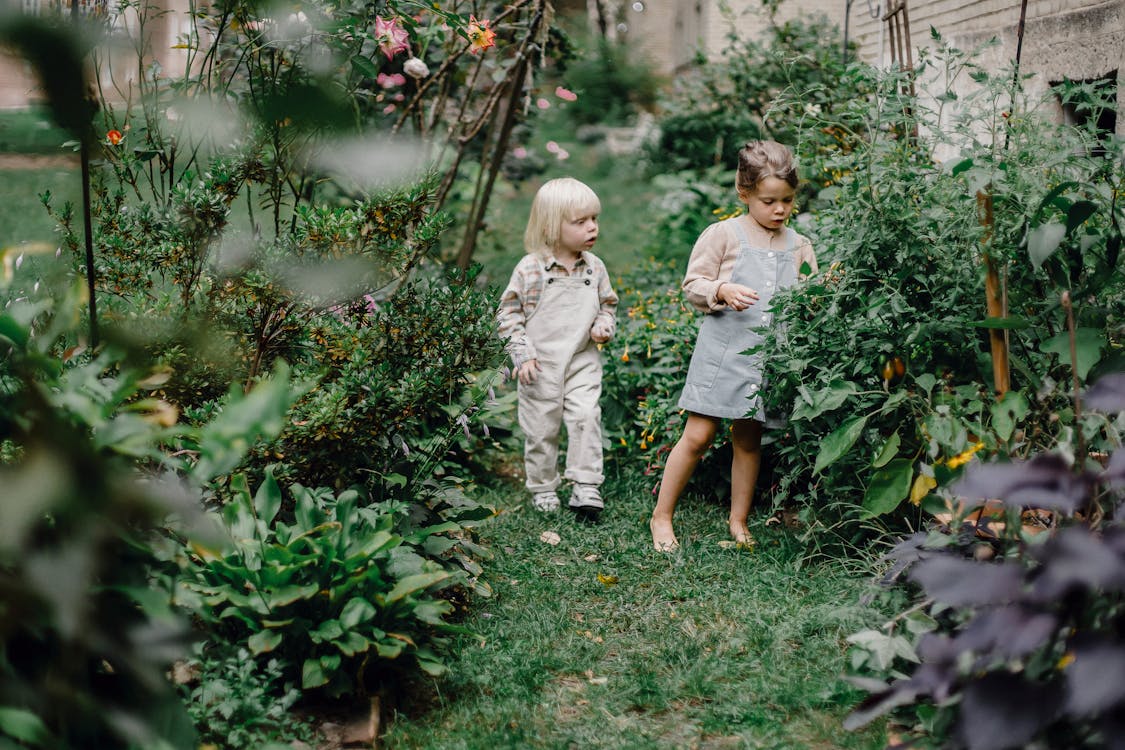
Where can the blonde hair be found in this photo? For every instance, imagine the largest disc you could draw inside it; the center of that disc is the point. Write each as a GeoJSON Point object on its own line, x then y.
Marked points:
{"type": "Point", "coordinates": [557, 201]}
{"type": "Point", "coordinates": [758, 160]}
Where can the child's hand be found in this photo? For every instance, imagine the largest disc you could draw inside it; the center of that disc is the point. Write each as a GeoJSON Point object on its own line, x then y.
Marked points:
{"type": "Point", "coordinates": [600, 332]}
{"type": "Point", "coordinates": [529, 371]}
{"type": "Point", "coordinates": [736, 296]}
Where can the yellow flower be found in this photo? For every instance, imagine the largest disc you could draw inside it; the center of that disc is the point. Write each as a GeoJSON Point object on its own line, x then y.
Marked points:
{"type": "Point", "coordinates": [480, 36]}
{"type": "Point", "coordinates": [965, 456]}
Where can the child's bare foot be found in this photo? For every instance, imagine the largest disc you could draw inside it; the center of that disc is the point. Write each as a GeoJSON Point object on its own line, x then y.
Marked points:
{"type": "Point", "coordinates": [741, 535]}
{"type": "Point", "coordinates": [663, 538]}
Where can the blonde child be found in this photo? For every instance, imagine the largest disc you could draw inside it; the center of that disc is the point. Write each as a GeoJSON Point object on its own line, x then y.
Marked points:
{"type": "Point", "coordinates": [557, 307]}
{"type": "Point", "coordinates": [735, 268]}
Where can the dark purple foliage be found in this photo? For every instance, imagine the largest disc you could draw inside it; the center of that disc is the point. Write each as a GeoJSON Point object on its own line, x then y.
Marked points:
{"type": "Point", "coordinates": [968, 583]}
{"type": "Point", "coordinates": [1077, 559]}
{"type": "Point", "coordinates": [1003, 710]}
{"type": "Point", "coordinates": [1045, 481]}
{"type": "Point", "coordinates": [1095, 680]}
{"type": "Point", "coordinates": [1029, 651]}
{"type": "Point", "coordinates": [1107, 394]}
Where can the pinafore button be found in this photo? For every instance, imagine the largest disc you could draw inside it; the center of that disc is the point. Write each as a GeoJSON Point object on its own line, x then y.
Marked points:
{"type": "Point", "coordinates": [587, 282]}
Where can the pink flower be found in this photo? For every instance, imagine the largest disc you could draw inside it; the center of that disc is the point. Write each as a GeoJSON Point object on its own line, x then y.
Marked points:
{"type": "Point", "coordinates": [388, 109]}
{"type": "Point", "coordinates": [566, 95]}
{"type": "Point", "coordinates": [552, 147]}
{"type": "Point", "coordinates": [390, 37]}
{"type": "Point", "coordinates": [542, 103]}
{"type": "Point", "coordinates": [390, 81]}
{"type": "Point", "coordinates": [519, 152]}
{"type": "Point", "coordinates": [562, 154]}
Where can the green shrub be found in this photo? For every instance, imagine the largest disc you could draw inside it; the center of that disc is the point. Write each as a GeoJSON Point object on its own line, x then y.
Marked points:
{"type": "Point", "coordinates": [900, 239]}
{"type": "Point", "coordinates": [612, 87]}
{"type": "Point", "coordinates": [1007, 639]}
{"type": "Point", "coordinates": [234, 702]}
{"type": "Point", "coordinates": [332, 593]}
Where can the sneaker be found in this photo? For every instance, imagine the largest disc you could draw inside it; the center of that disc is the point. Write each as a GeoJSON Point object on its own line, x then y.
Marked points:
{"type": "Point", "coordinates": [586, 498]}
{"type": "Point", "coordinates": [545, 501]}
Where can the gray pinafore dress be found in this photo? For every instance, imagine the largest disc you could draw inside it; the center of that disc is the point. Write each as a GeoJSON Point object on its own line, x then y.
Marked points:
{"type": "Point", "coordinates": [721, 380]}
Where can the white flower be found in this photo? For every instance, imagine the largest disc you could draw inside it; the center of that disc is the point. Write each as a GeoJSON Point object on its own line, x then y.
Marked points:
{"type": "Point", "coordinates": [415, 68]}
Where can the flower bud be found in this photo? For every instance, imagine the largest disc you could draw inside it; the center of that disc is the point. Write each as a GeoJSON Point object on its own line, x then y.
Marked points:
{"type": "Point", "coordinates": [415, 68]}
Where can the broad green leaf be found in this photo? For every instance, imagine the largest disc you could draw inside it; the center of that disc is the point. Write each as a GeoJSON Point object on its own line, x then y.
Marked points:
{"type": "Point", "coordinates": [417, 582]}
{"type": "Point", "coordinates": [1012, 322]}
{"type": "Point", "coordinates": [889, 486]}
{"type": "Point", "coordinates": [329, 630]}
{"type": "Point", "coordinates": [352, 643]}
{"type": "Point", "coordinates": [926, 381]}
{"type": "Point", "coordinates": [267, 500]}
{"type": "Point", "coordinates": [1043, 241]}
{"type": "Point", "coordinates": [839, 442]}
{"type": "Point", "coordinates": [364, 66]}
{"type": "Point", "coordinates": [312, 674]}
{"type": "Point", "coordinates": [433, 612]}
{"type": "Point", "coordinates": [264, 641]}
{"type": "Point", "coordinates": [1007, 412]}
{"type": "Point", "coordinates": [244, 419]}
{"type": "Point", "coordinates": [888, 451]}
{"type": "Point", "coordinates": [23, 725]}
{"type": "Point", "coordinates": [290, 594]}
{"type": "Point", "coordinates": [1077, 214]}
{"type": "Point", "coordinates": [356, 612]}
{"type": "Point", "coordinates": [1088, 343]}
{"type": "Point", "coordinates": [813, 404]}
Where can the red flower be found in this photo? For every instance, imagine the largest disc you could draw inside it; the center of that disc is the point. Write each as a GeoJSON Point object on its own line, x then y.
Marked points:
{"type": "Point", "coordinates": [114, 137]}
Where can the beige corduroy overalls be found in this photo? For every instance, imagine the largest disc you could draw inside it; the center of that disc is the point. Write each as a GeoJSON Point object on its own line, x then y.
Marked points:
{"type": "Point", "coordinates": [568, 387]}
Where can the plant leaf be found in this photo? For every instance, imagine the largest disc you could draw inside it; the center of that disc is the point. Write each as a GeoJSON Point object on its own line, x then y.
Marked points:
{"type": "Point", "coordinates": [839, 442]}
{"type": "Point", "coordinates": [888, 451]}
{"type": "Point", "coordinates": [1043, 241]}
{"type": "Point", "coordinates": [264, 641]}
{"type": "Point", "coordinates": [1010, 409]}
{"type": "Point", "coordinates": [888, 487]}
{"type": "Point", "coordinates": [1088, 345]}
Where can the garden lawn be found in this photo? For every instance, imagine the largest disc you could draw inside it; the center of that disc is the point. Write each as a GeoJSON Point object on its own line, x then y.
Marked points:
{"type": "Point", "coordinates": [599, 642]}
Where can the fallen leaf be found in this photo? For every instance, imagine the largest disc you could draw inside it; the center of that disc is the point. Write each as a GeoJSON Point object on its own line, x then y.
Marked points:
{"type": "Point", "coordinates": [590, 558]}
{"type": "Point", "coordinates": [607, 580]}
{"type": "Point", "coordinates": [550, 537]}
{"type": "Point", "coordinates": [599, 680]}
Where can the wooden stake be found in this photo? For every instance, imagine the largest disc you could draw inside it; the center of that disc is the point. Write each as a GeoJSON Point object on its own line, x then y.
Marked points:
{"type": "Point", "coordinates": [994, 299]}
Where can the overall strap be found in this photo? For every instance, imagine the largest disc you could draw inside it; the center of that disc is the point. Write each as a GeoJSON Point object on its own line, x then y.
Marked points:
{"type": "Point", "coordinates": [743, 239]}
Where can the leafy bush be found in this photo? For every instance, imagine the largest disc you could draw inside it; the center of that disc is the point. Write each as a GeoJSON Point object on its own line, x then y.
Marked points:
{"type": "Point", "coordinates": [334, 594]}
{"type": "Point", "coordinates": [1020, 651]}
{"type": "Point", "coordinates": [234, 704]}
{"type": "Point", "coordinates": [775, 87]}
{"type": "Point", "coordinates": [84, 640]}
{"type": "Point", "coordinates": [893, 397]}
{"type": "Point", "coordinates": [612, 87]}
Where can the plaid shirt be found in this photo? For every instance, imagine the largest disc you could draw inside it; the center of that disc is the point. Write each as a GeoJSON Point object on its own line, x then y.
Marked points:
{"type": "Point", "coordinates": [522, 295]}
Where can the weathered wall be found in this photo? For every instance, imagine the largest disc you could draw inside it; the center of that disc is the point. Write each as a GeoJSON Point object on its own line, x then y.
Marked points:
{"type": "Point", "coordinates": [117, 59]}
{"type": "Point", "coordinates": [1076, 39]}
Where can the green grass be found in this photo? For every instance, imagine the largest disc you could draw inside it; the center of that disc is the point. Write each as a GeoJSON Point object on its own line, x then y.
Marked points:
{"type": "Point", "coordinates": [599, 642]}
{"type": "Point", "coordinates": [30, 131]}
